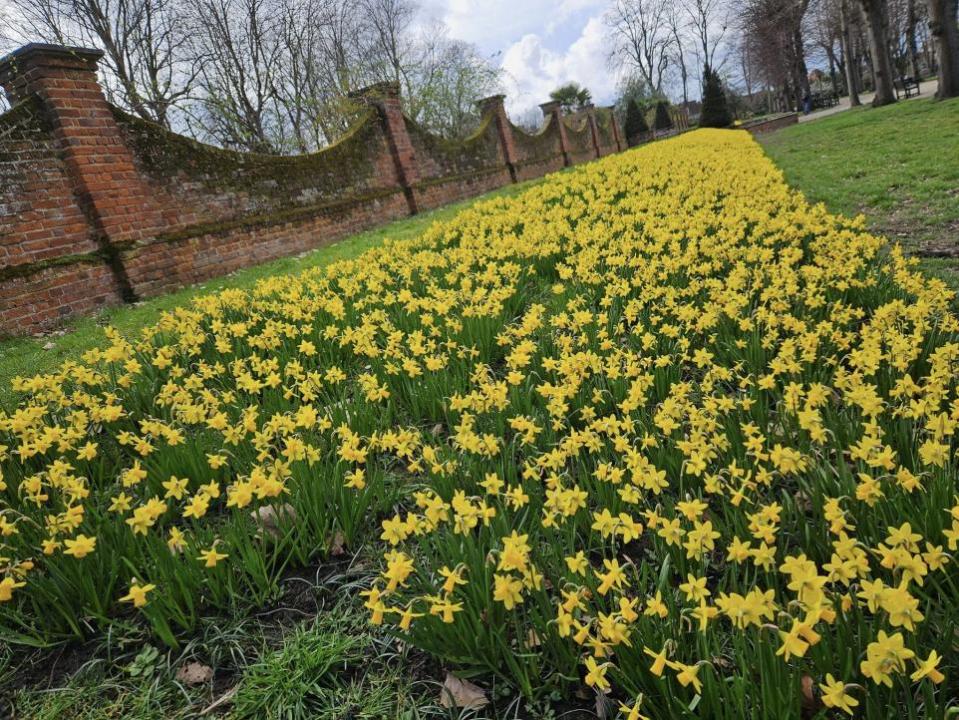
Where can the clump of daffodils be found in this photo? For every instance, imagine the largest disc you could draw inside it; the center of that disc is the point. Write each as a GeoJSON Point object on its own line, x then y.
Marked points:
{"type": "Point", "coordinates": [656, 425]}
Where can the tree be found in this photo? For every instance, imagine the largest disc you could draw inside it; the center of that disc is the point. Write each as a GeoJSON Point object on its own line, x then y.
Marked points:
{"type": "Point", "coordinates": [147, 70]}
{"type": "Point", "coordinates": [387, 24]}
{"type": "Point", "coordinates": [874, 14]}
{"type": "Point", "coordinates": [715, 112]}
{"type": "Point", "coordinates": [444, 86]}
{"type": "Point", "coordinates": [571, 97]}
{"type": "Point", "coordinates": [662, 120]}
{"type": "Point", "coordinates": [773, 33]}
{"type": "Point", "coordinates": [852, 77]}
{"type": "Point", "coordinates": [640, 38]}
{"type": "Point", "coordinates": [678, 50]}
{"type": "Point", "coordinates": [942, 27]}
{"type": "Point", "coordinates": [708, 19]}
{"type": "Point", "coordinates": [824, 30]}
{"type": "Point", "coordinates": [635, 126]}
{"type": "Point", "coordinates": [239, 41]}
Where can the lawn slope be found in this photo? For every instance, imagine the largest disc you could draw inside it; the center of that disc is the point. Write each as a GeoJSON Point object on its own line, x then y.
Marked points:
{"type": "Point", "coordinates": [898, 165]}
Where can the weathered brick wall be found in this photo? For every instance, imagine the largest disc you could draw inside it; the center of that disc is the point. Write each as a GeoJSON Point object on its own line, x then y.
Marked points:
{"type": "Point", "coordinates": [451, 170]}
{"type": "Point", "coordinates": [540, 153]}
{"type": "Point", "coordinates": [581, 146]}
{"type": "Point", "coordinates": [50, 266]}
{"type": "Point", "coordinates": [607, 132]}
{"type": "Point", "coordinates": [205, 184]}
{"type": "Point", "coordinates": [776, 122]}
{"type": "Point", "coordinates": [98, 207]}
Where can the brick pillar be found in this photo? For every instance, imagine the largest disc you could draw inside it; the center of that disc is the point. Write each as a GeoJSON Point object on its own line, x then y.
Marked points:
{"type": "Point", "coordinates": [593, 130]}
{"type": "Point", "coordinates": [494, 106]}
{"type": "Point", "coordinates": [385, 97]}
{"type": "Point", "coordinates": [101, 168]}
{"type": "Point", "coordinates": [552, 109]}
{"type": "Point", "coordinates": [620, 143]}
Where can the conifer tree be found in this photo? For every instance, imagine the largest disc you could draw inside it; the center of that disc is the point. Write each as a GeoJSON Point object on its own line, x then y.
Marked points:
{"type": "Point", "coordinates": [715, 112]}
{"type": "Point", "coordinates": [635, 126]}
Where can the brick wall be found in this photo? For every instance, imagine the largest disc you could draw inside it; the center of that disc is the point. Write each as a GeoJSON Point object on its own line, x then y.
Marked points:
{"type": "Point", "coordinates": [776, 122]}
{"type": "Point", "coordinates": [98, 207]}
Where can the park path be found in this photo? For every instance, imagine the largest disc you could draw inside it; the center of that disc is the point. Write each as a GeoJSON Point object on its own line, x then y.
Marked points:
{"type": "Point", "coordinates": [926, 89]}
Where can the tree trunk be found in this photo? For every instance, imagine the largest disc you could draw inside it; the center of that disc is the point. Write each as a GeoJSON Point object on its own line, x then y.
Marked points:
{"type": "Point", "coordinates": [874, 13]}
{"type": "Point", "coordinates": [942, 25]}
{"type": "Point", "coordinates": [832, 73]}
{"type": "Point", "coordinates": [802, 72]}
{"type": "Point", "coordinates": [852, 84]}
{"type": "Point", "coordinates": [911, 46]}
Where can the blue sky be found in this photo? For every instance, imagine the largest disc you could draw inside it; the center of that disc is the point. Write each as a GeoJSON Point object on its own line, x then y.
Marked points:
{"type": "Point", "coordinates": [539, 43]}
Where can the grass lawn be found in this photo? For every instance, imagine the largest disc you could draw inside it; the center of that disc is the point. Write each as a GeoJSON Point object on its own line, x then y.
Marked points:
{"type": "Point", "coordinates": [31, 355]}
{"type": "Point", "coordinates": [898, 165]}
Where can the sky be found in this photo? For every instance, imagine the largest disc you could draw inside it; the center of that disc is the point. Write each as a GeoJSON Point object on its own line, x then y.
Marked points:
{"type": "Point", "coordinates": [540, 44]}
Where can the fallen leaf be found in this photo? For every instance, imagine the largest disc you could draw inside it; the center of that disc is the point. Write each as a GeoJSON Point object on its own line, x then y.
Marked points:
{"type": "Point", "coordinates": [457, 693]}
{"type": "Point", "coordinates": [49, 345]}
{"type": "Point", "coordinates": [222, 700]}
{"type": "Point", "coordinates": [338, 543]}
{"type": "Point", "coordinates": [604, 707]}
{"type": "Point", "coordinates": [810, 704]}
{"type": "Point", "coordinates": [268, 517]}
{"type": "Point", "coordinates": [194, 673]}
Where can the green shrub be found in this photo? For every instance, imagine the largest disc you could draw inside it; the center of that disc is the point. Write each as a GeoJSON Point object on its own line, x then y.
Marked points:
{"type": "Point", "coordinates": [635, 126]}
{"type": "Point", "coordinates": [715, 112]}
{"type": "Point", "coordinates": [662, 121]}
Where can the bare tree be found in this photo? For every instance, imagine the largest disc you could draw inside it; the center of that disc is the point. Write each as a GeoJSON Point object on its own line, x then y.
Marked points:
{"type": "Point", "coordinates": [823, 29]}
{"type": "Point", "coordinates": [237, 42]}
{"type": "Point", "coordinates": [678, 48]}
{"type": "Point", "coordinates": [709, 22]}
{"type": "Point", "coordinates": [912, 21]}
{"type": "Point", "coordinates": [266, 75]}
{"type": "Point", "coordinates": [641, 38]}
{"type": "Point", "coordinates": [851, 62]}
{"type": "Point", "coordinates": [445, 81]}
{"type": "Point", "coordinates": [774, 32]}
{"type": "Point", "coordinates": [387, 23]}
{"type": "Point", "coordinates": [146, 68]}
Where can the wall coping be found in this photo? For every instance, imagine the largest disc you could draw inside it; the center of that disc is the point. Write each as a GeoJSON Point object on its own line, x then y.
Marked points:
{"type": "Point", "coordinates": [32, 52]}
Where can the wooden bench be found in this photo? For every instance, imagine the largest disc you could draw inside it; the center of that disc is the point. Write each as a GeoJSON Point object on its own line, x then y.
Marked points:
{"type": "Point", "coordinates": [908, 85]}
{"type": "Point", "coordinates": [824, 100]}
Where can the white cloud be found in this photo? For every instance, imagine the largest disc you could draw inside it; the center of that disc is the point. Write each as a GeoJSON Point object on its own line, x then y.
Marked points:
{"type": "Point", "coordinates": [533, 70]}
{"type": "Point", "coordinates": [494, 25]}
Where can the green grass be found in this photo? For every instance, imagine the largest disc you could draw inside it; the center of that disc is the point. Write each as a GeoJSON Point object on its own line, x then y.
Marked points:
{"type": "Point", "coordinates": [898, 165]}
{"type": "Point", "coordinates": [28, 356]}
{"type": "Point", "coordinates": [331, 666]}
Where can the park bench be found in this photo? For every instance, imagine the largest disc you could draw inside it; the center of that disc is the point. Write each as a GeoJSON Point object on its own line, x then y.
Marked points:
{"type": "Point", "coordinates": [908, 86]}
{"type": "Point", "coordinates": [824, 100]}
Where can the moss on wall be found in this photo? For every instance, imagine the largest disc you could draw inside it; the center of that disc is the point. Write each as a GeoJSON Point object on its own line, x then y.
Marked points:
{"type": "Point", "coordinates": [580, 139]}
{"type": "Point", "coordinates": [541, 146]}
{"type": "Point", "coordinates": [439, 157]}
{"type": "Point", "coordinates": [25, 122]}
{"type": "Point", "coordinates": [604, 127]}
{"type": "Point", "coordinates": [25, 270]}
{"type": "Point", "coordinates": [333, 209]}
{"type": "Point", "coordinates": [268, 181]}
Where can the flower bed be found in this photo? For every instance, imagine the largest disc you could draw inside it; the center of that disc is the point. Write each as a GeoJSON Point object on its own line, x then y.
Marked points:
{"type": "Point", "coordinates": [657, 425]}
